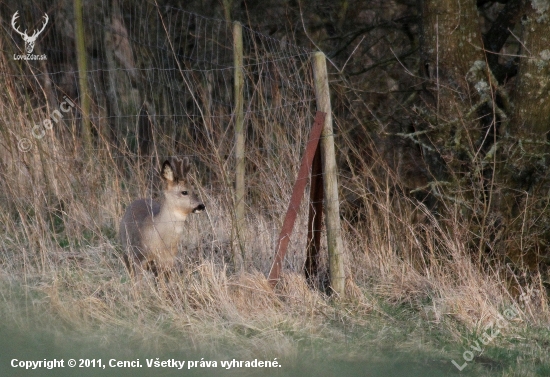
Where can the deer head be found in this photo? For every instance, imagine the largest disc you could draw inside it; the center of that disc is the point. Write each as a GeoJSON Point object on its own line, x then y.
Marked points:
{"type": "Point", "coordinates": [29, 39]}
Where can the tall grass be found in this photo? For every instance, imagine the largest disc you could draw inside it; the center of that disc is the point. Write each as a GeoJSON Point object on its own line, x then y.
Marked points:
{"type": "Point", "coordinates": [60, 250]}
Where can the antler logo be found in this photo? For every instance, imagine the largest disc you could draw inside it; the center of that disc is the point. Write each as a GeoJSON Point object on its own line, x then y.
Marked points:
{"type": "Point", "coordinates": [29, 39]}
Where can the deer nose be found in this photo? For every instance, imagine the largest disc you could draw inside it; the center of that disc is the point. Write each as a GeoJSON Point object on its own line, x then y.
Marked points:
{"type": "Point", "coordinates": [199, 208]}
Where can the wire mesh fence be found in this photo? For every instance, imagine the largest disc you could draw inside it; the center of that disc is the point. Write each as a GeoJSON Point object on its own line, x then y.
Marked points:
{"type": "Point", "coordinates": [161, 85]}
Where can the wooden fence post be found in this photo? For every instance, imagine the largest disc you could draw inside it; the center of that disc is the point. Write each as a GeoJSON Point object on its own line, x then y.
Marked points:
{"type": "Point", "coordinates": [330, 177]}
{"type": "Point", "coordinates": [239, 254]}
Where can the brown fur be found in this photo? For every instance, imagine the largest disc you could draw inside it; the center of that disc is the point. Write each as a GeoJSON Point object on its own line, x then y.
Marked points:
{"type": "Point", "coordinates": [150, 231]}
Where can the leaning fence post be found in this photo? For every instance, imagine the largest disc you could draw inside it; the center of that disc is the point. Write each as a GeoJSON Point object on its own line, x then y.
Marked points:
{"type": "Point", "coordinates": [296, 198]}
{"type": "Point", "coordinates": [238, 253]}
{"type": "Point", "coordinates": [330, 181]}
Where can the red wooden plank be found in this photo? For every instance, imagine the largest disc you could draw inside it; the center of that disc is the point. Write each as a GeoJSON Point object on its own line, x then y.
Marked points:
{"type": "Point", "coordinates": [296, 199]}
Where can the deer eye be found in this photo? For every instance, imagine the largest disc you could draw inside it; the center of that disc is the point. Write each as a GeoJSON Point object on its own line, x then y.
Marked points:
{"type": "Point", "coordinates": [184, 192]}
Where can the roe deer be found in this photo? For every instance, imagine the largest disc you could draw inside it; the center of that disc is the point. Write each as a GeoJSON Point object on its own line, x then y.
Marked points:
{"type": "Point", "coordinates": [150, 231]}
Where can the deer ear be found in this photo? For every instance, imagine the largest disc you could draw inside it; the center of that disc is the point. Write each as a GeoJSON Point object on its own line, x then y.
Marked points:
{"type": "Point", "coordinates": [167, 172]}
{"type": "Point", "coordinates": [185, 166]}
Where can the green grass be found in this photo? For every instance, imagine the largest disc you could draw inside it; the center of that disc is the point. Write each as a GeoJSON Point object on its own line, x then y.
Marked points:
{"type": "Point", "coordinates": [397, 340]}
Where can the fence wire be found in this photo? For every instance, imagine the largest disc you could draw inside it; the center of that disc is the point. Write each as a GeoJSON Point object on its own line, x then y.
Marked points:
{"type": "Point", "coordinates": [160, 84]}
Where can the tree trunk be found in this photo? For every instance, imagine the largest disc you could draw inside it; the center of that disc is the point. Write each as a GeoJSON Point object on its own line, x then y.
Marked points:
{"type": "Point", "coordinates": [525, 172]}
{"type": "Point", "coordinates": [459, 86]}
{"type": "Point", "coordinates": [460, 126]}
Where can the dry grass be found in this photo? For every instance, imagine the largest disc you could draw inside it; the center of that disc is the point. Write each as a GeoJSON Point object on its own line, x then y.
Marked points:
{"type": "Point", "coordinates": [66, 258]}
{"type": "Point", "coordinates": [60, 253]}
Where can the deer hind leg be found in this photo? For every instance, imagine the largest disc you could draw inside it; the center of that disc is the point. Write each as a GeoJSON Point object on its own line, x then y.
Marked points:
{"type": "Point", "coordinates": [129, 263]}
{"type": "Point", "coordinates": [138, 267]}
{"type": "Point", "coordinates": [134, 265]}
{"type": "Point", "coordinates": [163, 277]}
